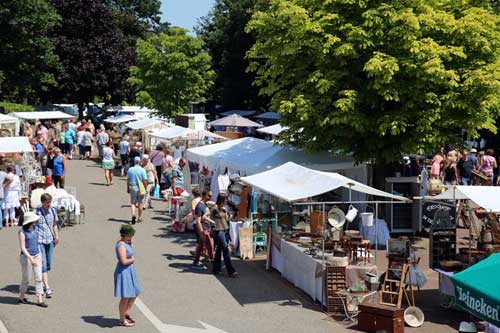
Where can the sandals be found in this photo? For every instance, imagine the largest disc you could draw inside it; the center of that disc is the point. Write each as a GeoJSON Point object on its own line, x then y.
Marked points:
{"type": "Point", "coordinates": [126, 323]}
{"type": "Point", "coordinates": [127, 317]}
{"type": "Point", "coordinates": [22, 301]}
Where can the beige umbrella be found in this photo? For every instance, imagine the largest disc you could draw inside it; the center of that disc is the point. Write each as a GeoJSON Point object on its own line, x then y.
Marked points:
{"type": "Point", "coordinates": [235, 121]}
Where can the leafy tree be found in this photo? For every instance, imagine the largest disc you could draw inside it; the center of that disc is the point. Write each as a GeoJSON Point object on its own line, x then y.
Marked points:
{"type": "Point", "coordinates": [378, 78]}
{"type": "Point", "coordinates": [26, 52]}
{"type": "Point", "coordinates": [223, 31]}
{"type": "Point", "coordinates": [92, 52]}
{"type": "Point", "coordinates": [172, 71]}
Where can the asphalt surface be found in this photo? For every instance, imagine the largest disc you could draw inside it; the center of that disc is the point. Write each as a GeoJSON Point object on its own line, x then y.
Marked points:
{"type": "Point", "coordinates": [82, 277]}
{"type": "Point", "coordinates": [175, 299]}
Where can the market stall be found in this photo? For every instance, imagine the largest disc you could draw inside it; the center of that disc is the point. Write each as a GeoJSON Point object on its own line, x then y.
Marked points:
{"type": "Point", "coordinates": [304, 256]}
{"type": "Point", "coordinates": [146, 126]}
{"type": "Point", "coordinates": [9, 126]}
{"type": "Point", "coordinates": [42, 115]}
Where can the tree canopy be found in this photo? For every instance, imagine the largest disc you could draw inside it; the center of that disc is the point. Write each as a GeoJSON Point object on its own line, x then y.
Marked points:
{"type": "Point", "coordinates": [378, 78]}
{"type": "Point", "coordinates": [172, 72]}
{"type": "Point", "coordinates": [26, 53]}
{"type": "Point", "coordinates": [223, 31]}
{"type": "Point", "coordinates": [92, 53]}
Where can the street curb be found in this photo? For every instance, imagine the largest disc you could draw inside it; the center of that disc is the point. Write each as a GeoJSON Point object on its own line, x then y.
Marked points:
{"type": "Point", "coordinates": [3, 329]}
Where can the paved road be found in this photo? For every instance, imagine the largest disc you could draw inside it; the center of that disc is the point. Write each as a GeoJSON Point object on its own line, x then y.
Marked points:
{"type": "Point", "coordinates": [82, 278]}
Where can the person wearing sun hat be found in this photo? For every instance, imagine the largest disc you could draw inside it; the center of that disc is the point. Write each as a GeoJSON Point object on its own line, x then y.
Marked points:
{"type": "Point", "coordinates": [127, 286]}
{"type": "Point", "coordinates": [31, 259]}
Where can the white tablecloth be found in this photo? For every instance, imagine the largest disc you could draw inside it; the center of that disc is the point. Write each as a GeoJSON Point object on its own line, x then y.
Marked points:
{"type": "Point", "coordinates": [299, 268]}
{"type": "Point", "coordinates": [62, 199]}
{"type": "Point", "coordinates": [234, 227]}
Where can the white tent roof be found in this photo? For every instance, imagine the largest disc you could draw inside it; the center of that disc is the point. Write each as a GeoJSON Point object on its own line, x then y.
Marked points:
{"type": "Point", "coordinates": [273, 129]}
{"type": "Point", "coordinates": [484, 196]}
{"type": "Point", "coordinates": [293, 182]}
{"type": "Point", "coordinates": [242, 113]}
{"type": "Point", "coordinates": [268, 115]}
{"type": "Point", "coordinates": [15, 144]}
{"type": "Point", "coordinates": [7, 119]}
{"type": "Point", "coordinates": [42, 115]}
{"type": "Point", "coordinates": [130, 108]}
{"type": "Point", "coordinates": [251, 155]}
{"type": "Point", "coordinates": [121, 119]}
{"type": "Point", "coordinates": [172, 132]}
{"type": "Point", "coordinates": [145, 123]}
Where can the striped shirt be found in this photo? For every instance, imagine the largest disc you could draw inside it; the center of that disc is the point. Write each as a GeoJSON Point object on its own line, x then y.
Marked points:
{"type": "Point", "coordinates": [46, 225]}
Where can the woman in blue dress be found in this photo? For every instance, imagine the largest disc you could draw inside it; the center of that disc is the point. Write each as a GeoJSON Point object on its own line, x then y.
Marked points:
{"type": "Point", "coordinates": [126, 282]}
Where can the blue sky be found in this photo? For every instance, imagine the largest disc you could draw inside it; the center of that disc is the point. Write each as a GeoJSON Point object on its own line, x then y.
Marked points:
{"type": "Point", "coordinates": [184, 13]}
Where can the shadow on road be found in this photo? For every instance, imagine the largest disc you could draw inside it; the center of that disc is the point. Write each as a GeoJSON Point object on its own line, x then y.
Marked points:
{"type": "Point", "coordinates": [178, 256]}
{"type": "Point", "coordinates": [101, 321]}
{"type": "Point", "coordinates": [186, 239]}
{"type": "Point", "coordinates": [8, 300]}
{"type": "Point", "coordinates": [256, 285]}
{"type": "Point", "coordinates": [100, 184]}
{"type": "Point", "coordinates": [112, 219]}
{"type": "Point", "coordinates": [187, 268]}
{"type": "Point", "coordinates": [12, 288]}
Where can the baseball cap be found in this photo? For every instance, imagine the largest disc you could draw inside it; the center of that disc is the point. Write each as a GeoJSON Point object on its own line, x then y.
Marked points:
{"type": "Point", "coordinates": [473, 150]}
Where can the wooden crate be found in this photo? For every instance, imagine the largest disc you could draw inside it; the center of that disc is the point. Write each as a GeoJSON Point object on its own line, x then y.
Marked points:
{"type": "Point", "coordinates": [335, 280]}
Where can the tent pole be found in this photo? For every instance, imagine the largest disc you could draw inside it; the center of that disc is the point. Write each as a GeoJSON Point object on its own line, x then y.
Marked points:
{"type": "Point", "coordinates": [376, 233]}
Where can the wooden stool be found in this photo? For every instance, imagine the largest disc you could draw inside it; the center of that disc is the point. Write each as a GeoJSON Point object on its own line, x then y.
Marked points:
{"type": "Point", "coordinates": [362, 248]}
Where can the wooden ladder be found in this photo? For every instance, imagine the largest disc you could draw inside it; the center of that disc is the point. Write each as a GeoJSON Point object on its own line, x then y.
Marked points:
{"type": "Point", "coordinates": [395, 289]}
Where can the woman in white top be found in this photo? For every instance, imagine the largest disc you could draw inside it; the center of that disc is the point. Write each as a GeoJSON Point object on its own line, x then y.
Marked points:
{"type": "Point", "coordinates": [108, 162]}
{"type": "Point", "coordinates": [124, 153]}
{"type": "Point", "coordinates": [12, 188]}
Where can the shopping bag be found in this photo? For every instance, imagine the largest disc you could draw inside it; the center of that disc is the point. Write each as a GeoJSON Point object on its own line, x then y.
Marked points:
{"type": "Point", "coordinates": [156, 193]}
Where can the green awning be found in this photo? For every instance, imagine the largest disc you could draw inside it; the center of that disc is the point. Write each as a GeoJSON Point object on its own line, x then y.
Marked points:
{"type": "Point", "coordinates": [477, 289]}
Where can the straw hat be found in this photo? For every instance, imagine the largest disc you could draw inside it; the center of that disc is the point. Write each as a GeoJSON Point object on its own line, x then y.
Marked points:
{"type": "Point", "coordinates": [30, 217]}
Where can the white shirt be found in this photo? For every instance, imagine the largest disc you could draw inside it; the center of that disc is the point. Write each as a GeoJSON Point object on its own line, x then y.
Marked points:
{"type": "Point", "coordinates": [80, 138]}
{"type": "Point", "coordinates": [107, 154]}
{"type": "Point", "coordinates": [124, 147]}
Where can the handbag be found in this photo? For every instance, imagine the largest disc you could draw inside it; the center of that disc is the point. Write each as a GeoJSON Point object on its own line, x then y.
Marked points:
{"type": "Point", "coordinates": [140, 184]}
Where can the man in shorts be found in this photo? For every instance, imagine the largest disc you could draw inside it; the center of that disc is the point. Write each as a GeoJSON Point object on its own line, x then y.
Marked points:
{"type": "Point", "coordinates": [136, 178]}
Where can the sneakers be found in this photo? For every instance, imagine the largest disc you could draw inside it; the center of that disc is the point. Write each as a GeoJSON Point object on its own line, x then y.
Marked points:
{"type": "Point", "coordinates": [42, 305]}
{"type": "Point", "coordinates": [198, 265]}
{"type": "Point", "coordinates": [48, 293]}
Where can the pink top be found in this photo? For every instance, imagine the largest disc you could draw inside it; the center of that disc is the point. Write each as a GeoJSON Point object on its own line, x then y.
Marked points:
{"type": "Point", "coordinates": [157, 157]}
{"type": "Point", "coordinates": [436, 165]}
{"type": "Point", "coordinates": [487, 165]}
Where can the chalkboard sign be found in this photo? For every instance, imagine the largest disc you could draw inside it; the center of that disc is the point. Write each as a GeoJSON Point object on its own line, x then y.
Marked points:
{"type": "Point", "coordinates": [429, 210]}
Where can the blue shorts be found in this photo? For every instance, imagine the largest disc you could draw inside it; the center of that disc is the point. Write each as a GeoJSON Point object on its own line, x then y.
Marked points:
{"type": "Point", "coordinates": [46, 250]}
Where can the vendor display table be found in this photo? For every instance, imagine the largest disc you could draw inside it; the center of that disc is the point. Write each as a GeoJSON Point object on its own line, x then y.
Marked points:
{"type": "Point", "coordinates": [306, 272]}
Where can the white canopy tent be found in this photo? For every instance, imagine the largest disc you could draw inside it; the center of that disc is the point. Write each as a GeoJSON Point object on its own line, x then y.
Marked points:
{"type": "Point", "coordinates": [42, 115]}
{"type": "Point", "coordinates": [15, 144]}
{"type": "Point", "coordinates": [249, 156]}
{"type": "Point", "coordinates": [172, 132]}
{"type": "Point", "coordinates": [146, 123]}
{"type": "Point", "coordinates": [184, 132]}
{"type": "Point", "coordinates": [124, 118]}
{"type": "Point", "coordinates": [130, 108]}
{"type": "Point", "coordinates": [273, 129]}
{"type": "Point", "coordinates": [292, 182]}
{"type": "Point", "coordinates": [9, 123]}
{"type": "Point", "coordinates": [486, 197]}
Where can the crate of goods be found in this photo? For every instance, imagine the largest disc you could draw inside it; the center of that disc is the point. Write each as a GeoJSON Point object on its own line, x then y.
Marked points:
{"type": "Point", "coordinates": [380, 318]}
{"type": "Point", "coordinates": [335, 280]}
